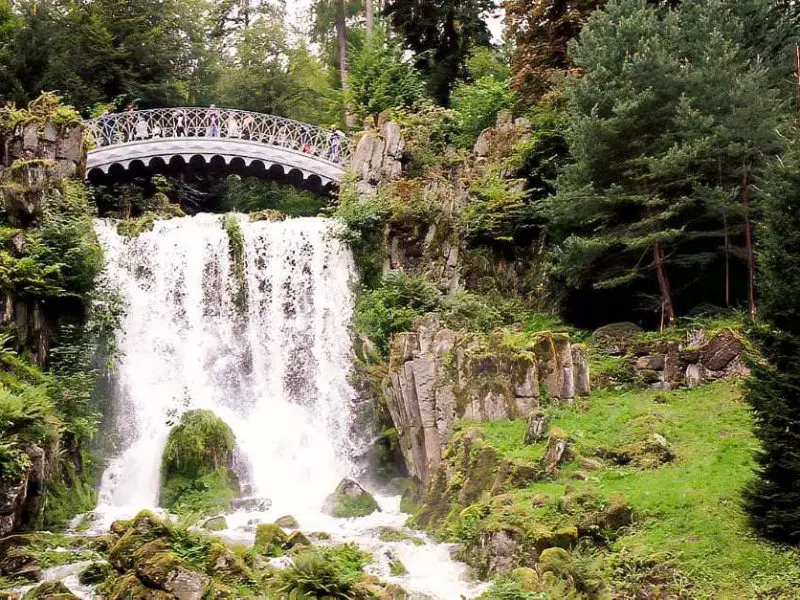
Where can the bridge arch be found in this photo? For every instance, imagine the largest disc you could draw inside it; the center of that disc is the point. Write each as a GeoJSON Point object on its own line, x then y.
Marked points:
{"type": "Point", "coordinates": [159, 138]}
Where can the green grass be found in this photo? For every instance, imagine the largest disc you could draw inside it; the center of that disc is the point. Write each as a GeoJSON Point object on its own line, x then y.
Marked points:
{"type": "Point", "coordinates": [688, 509]}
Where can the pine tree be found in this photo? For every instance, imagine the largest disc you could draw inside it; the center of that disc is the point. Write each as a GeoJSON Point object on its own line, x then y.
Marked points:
{"type": "Point", "coordinates": [773, 391]}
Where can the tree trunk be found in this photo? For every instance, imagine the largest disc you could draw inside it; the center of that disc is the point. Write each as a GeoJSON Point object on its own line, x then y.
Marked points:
{"type": "Point", "coordinates": [748, 243]}
{"type": "Point", "coordinates": [663, 284]}
{"type": "Point", "coordinates": [341, 34]}
{"type": "Point", "coordinates": [727, 260]}
{"type": "Point", "coordinates": [370, 19]}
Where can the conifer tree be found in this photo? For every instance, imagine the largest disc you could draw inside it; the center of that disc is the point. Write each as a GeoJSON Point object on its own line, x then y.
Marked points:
{"type": "Point", "coordinates": [773, 391]}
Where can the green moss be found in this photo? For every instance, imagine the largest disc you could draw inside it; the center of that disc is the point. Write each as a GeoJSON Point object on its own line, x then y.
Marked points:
{"type": "Point", "coordinates": [390, 534]}
{"type": "Point", "coordinates": [95, 574]}
{"type": "Point", "coordinates": [330, 572]}
{"type": "Point", "coordinates": [236, 252]}
{"type": "Point", "coordinates": [50, 590]}
{"type": "Point", "coordinates": [397, 568]}
{"type": "Point", "coordinates": [270, 539]}
{"type": "Point", "coordinates": [687, 509]}
{"type": "Point", "coordinates": [135, 227]}
{"type": "Point", "coordinates": [196, 478]}
{"type": "Point", "coordinates": [345, 507]}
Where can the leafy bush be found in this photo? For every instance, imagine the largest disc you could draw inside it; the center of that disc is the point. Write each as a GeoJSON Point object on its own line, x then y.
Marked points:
{"type": "Point", "coordinates": [380, 79]}
{"type": "Point", "coordinates": [331, 572]}
{"type": "Point", "coordinates": [393, 305]}
{"type": "Point", "coordinates": [506, 589]}
{"type": "Point", "coordinates": [477, 105]}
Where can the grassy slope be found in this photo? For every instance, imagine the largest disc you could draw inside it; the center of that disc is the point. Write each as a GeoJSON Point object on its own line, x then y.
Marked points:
{"type": "Point", "coordinates": [689, 508]}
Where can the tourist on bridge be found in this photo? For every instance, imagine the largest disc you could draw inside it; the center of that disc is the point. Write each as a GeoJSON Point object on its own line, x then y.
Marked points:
{"type": "Point", "coordinates": [180, 124]}
{"type": "Point", "coordinates": [213, 116]}
{"type": "Point", "coordinates": [107, 126]}
{"type": "Point", "coordinates": [142, 129]}
{"type": "Point", "coordinates": [336, 138]}
{"type": "Point", "coordinates": [129, 124]}
{"type": "Point", "coordinates": [233, 126]}
{"type": "Point", "coordinates": [247, 127]}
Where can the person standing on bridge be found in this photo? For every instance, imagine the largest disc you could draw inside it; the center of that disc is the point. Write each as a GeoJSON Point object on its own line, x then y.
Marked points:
{"type": "Point", "coordinates": [129, 124]}
{"type": "Point", "coordinates": [247, 127]}
{"type": "Point", "coordinates": [107, 122]}
{"type": "Point", "coordinates": [213, 116]}
{"type": "Point", "coordinates": [180, 124]}
{"type": "Point", "coordinates": [336, 138]}
{"type": "Point", "coordinates": [232, 126]}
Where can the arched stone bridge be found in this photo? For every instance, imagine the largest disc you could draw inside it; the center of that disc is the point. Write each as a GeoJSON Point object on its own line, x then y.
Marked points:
{"type": "Point", "coordinates": [236, 137]}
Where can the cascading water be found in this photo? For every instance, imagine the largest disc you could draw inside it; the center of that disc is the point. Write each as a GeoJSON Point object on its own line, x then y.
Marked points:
{"type": "Point", "coordinates": [265, 344]}
{"type": "Point", "coordinates": [272, 363]}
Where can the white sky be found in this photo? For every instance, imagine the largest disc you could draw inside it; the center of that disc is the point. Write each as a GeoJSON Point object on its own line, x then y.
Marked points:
{"type": "Point", "coordinates": [298, 14]}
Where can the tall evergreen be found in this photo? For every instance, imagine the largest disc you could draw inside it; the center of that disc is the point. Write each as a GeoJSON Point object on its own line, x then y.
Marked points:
{"type": "Point", "coordinates": [773, 391]}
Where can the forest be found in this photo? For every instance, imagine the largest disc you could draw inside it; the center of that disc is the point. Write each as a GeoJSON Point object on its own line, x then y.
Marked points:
{"type": "Point", "coordinates": [567, 235]}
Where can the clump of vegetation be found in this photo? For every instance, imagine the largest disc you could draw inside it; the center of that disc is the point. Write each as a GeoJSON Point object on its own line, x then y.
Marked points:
{"type": "Point", "coordinates": [331, 572]}
{"type": "Point", "coordinates": [236, 244]}
{"type": "Point", "coordinates": [196, 474]}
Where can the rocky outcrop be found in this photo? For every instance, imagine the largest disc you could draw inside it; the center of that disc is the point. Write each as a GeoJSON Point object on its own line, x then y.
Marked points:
{"type": "Point", "coordinates": [438, 376]}
{"type": "Point", "coordinates": [22, 494]}
{"type": "Point", "coordinates": [499, 141]}
{"type": "Point", "coordinates": [378, 156]}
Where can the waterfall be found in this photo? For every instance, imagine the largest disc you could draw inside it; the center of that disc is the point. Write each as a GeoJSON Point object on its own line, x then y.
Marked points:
{"type": "Point", "coordinates": [274, 367]}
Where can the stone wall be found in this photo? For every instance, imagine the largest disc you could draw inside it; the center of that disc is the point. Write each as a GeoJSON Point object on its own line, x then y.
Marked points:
{"type": "Point", "coordinates": [438, 376]}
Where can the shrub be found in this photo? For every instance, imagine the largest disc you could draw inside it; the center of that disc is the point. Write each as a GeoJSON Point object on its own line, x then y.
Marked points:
{"type": "Point", "coordinates": [331, 572]}
{"type": "Point", "coordinates": [477, 105]}
{"type": "Point", "coordinates": [392, 307]}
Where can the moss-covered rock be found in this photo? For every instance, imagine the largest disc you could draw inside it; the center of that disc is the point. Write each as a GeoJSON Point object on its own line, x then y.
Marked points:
{"type": "Point", "coordinates": [270, 539]}
{"type": "Point", "coordinates": [157, 566]}
{"type": "Point", "coordinates": [226, 565]}
{"type": "Point", "coordinates": [95, 573]}
{"type": "Point", "coordinates": [50, 590]}
{"type": "Point", "coordinates": [526, 577]}
{"type": "Point", "coordinates": [215, 524]}
{"type": "Point", "coordinates": [145, 528]}
{"type": "Point", "coordinates": [196, 468]}
{"type": "Point", "coordinates": [296, 539]}
{"type": "Point", "coordinates": [555, 560]}
{"type": "Point", "coordinates": [350, 500]}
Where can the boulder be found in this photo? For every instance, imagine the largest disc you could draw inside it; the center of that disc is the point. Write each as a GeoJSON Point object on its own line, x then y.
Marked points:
{"type": "Point", "coordinates": [158, 567]}
{"type": "Point", "coordinates": [270, 539]}
{"type": "Point", "coordinates": [251, 503]}
{"type": "Point", "coordinates": [555, 560]}
{"type": "Point", "coordinates": [580, 370]}
{"type": "Point", "coordinates": [296, 539]}
{"type": "Point", "coordinates": [556, 452]}
{"type": "Point", "coordinates": [536, 429]}
{"type": "Point", "coordinates": [50, 590]}
{"type": "Point", "coordinates": [215, 524]}
{"type": "Point", "coordinates": [287, 522]}
{"type": "Point", "coordinates": [350, 500]}
{"type": "Point", "coordinates": [95, 573]}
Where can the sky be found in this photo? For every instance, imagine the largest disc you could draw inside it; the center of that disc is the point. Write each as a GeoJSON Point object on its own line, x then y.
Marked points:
{"type": "Point", "coordinates": [298, 11]}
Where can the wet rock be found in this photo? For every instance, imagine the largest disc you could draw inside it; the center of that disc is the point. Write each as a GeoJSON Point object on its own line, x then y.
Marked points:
{"type": "Point", "coordinates": [252, 503]}
{"type": "Point", "coordinates": [215, 524]}
{"type": "Point", "coordinates": [50, 590]}
{"type": "Point", "coordinates": [287, 522]}
{"type": "Point", "coordinates": [296, 539]}
{"type": "Point", "coordinates": [95, 573]}
{"type": "Point", "coordinates": [536, 429]}
{"type": "Point", "coordinates": [502, 547]}
{"type": "Point", "coordinates": [350, 500]}
{"type": "Point", "coordinates": [396, 566]}
{"type": "Point", "coordinates": [156, 566]}
{"type": "Point", "coordinates": [225, 564]}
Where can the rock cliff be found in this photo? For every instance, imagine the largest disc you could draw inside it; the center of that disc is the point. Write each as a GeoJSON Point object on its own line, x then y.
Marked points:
{"type": "Point", "coordinates": [438, 376]}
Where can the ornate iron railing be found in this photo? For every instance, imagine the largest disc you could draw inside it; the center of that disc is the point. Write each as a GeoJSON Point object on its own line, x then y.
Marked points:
{"type": "Point", "coordinates": [169, 123]}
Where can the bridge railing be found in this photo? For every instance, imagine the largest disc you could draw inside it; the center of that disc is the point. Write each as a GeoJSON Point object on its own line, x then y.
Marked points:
{"type": "Point", "coordinates": [128, 127]}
